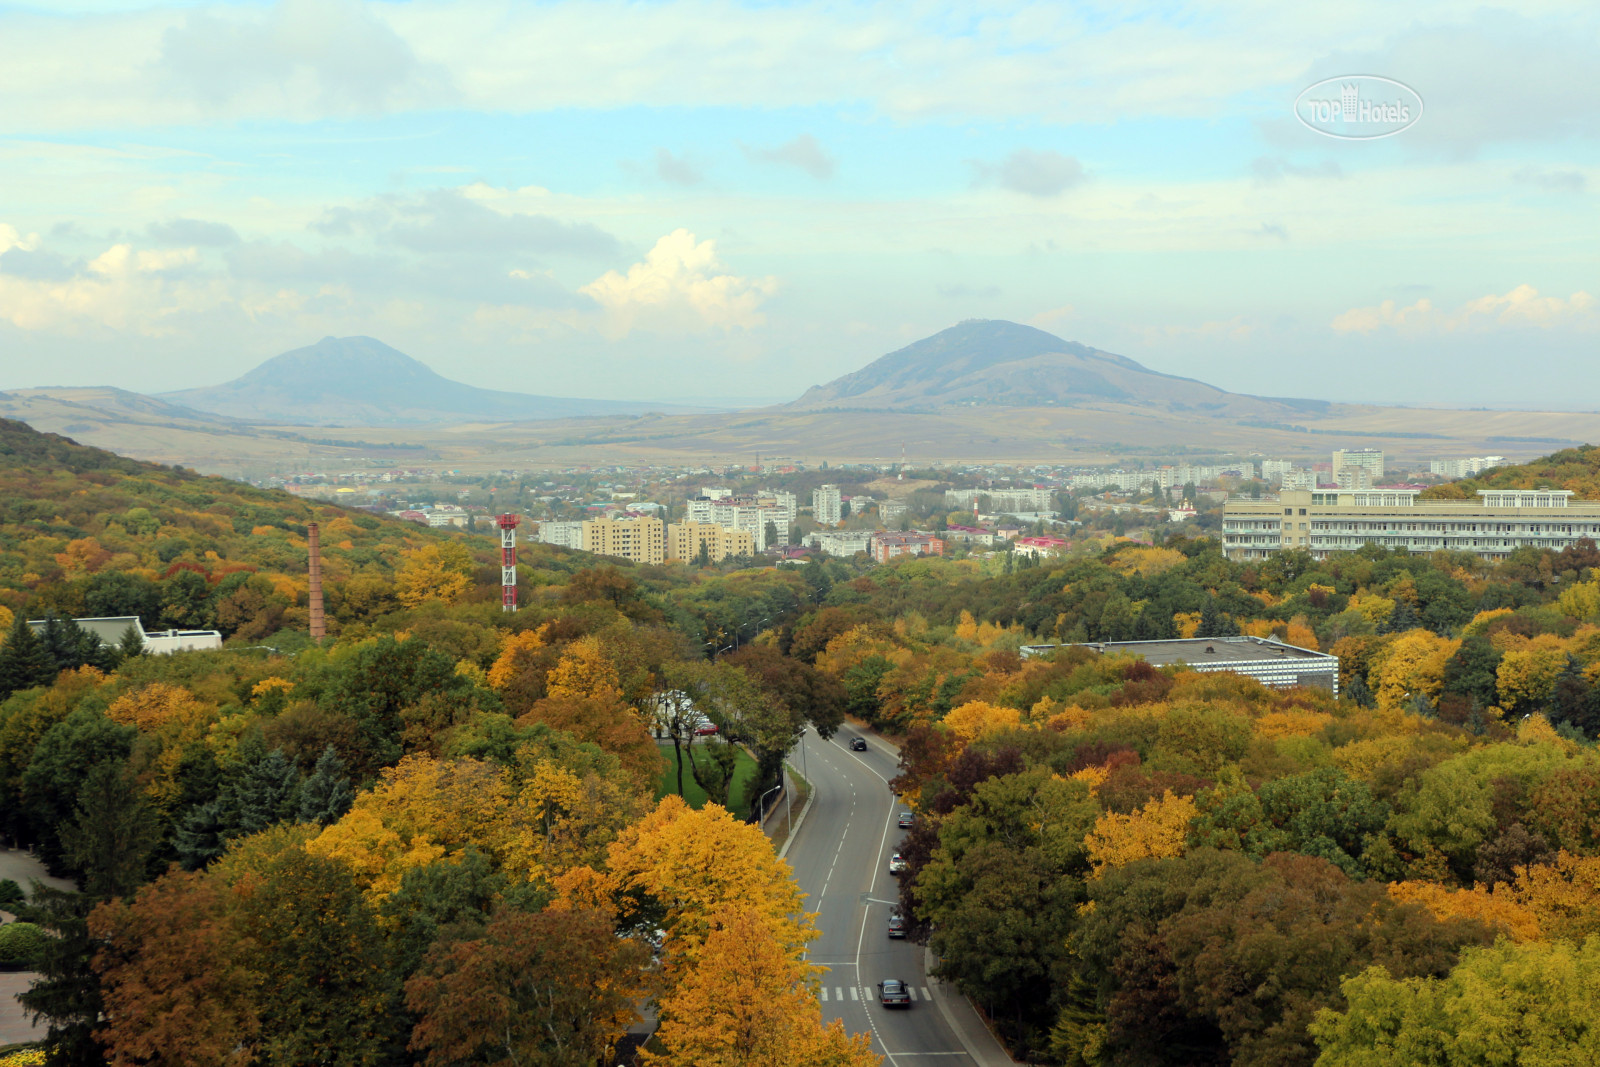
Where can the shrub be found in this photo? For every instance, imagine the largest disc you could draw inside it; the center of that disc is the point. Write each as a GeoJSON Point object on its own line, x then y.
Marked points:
{"type": "Point", "coordinates": [10, 892]}
{"type": "Point", "coordinates": [21, 943]}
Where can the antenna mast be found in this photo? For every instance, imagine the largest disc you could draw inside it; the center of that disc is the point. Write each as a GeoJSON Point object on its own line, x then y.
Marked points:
{"type": "Point", "coordinates": [508, 561]}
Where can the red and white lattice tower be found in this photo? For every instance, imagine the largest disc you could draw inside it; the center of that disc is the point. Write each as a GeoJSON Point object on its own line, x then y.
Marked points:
{"type": "Point", "coordinates": [508, 561]}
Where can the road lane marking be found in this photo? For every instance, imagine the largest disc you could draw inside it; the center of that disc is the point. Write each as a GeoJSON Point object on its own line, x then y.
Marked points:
{"type": "Point", "coordinates": [852, 993]}
{"type": "Point", "coordinates": [911, 991]}
{"type": "Point", "coordinates": [925, 994]}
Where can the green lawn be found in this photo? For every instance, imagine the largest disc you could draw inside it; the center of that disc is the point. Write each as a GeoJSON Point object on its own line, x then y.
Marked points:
{"type": "Point", "coordinates": [738, 801]}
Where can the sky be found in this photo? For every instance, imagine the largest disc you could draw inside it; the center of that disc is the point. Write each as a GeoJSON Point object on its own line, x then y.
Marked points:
{"type": "Point", "coordinates": [730, 202]}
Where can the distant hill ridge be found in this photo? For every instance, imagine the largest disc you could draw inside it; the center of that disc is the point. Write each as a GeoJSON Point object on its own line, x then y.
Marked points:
{"type": "Point", "coordinates": [362, 381]}
{"type": "Point", "coordinates": [992, 362]}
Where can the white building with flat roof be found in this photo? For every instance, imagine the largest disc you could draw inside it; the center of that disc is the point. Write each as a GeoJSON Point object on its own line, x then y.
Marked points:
{"type": "Point", "coordinates": [827, 505]}
{"type": "Point", "coordinates": [1498, 523]}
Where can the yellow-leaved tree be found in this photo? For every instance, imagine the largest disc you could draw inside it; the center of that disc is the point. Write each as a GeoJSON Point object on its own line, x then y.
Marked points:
{"type": "Point", "coordinates": [438, 571]}
{"type": "Point", "coordinates": [1497, 909]}
{"type": "Point", "coordinates": [516, 656]}
{"type": "Point", "coordinates": [749, 1003]}
{"type": "Point", "coordinates": [1527, 675]}
{"type": "Point", "coordinates": [150, 707]}
{"type": "Point", "coordinates": [1411, 665]}
{"type": "Point", "coordinates": [696, 864]}
{"type": "Point", "coordinates": [977, 720]}
{"type": "Point", "coordinates": [1159, 830]}
{"type": "Point", "coordinates": [584, 670]}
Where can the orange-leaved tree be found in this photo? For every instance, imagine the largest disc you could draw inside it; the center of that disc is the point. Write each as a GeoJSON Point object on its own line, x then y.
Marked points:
{"type": "Point", "coordinates": [176, 988]}
{"type": "Point", "coordinates": [550, 987]}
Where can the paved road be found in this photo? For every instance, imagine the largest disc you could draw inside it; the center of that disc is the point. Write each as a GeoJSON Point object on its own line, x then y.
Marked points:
{"type": "Point", "coordinates": [841, 860]}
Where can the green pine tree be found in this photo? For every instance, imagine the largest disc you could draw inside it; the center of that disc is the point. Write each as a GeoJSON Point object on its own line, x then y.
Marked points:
{"type": "Point", "coordinates": [327, 794]}
{"type": "Point", "coordinates": [112, 833]}
{"type": "Point", "coordinates": [24, 661]}
{"type": "Point", "coordinates": [131, 644]}
{"type": "Point", "coordinates": [66, 995]}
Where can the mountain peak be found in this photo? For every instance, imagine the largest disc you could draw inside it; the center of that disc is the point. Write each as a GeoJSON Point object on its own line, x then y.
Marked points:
{"type": "Point", "coordinates": [994, 362]}
{"type": "Point", "coordinates": [361, 380]}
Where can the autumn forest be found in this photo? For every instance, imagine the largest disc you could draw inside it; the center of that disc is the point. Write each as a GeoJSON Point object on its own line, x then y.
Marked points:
{"type": "Point", "coordinates": [448, 835]}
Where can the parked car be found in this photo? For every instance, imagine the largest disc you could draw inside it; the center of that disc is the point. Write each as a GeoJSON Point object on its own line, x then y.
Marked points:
{"type": "Point", "coordinates": [894, 993]}
{"type": "Point", "coordinates": [906, 819]}
{"type": "Point", "coordinates": [897, 925]}
{"type": "Point", "coordinates": [858, 744]}
{"type": "Point", "coordinates": [896, 863]}
{"type": "Point", "coordinates": [703, 727]}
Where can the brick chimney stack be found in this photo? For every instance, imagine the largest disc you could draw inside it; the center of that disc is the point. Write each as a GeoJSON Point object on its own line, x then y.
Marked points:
{"type": "Point", "coordinates": [319, 628]}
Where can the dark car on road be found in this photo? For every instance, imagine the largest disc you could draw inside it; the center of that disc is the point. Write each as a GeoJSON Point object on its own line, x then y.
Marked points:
{"type": "Point", "coordinates": [858, 744]}
{"type": "Point", "coordinates": [906, 819]}
{"type": "Point", "coordinates": [897, 925]}
{"type": "Point", "coordinates": [894, 993]}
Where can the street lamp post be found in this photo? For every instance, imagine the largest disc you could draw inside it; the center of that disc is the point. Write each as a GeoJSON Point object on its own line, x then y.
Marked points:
{"type": "Point", "coordinates": [762, 804]}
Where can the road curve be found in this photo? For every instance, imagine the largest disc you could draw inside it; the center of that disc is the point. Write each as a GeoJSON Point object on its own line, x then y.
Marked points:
{"type": "Point", "coordinates": [841, 861]}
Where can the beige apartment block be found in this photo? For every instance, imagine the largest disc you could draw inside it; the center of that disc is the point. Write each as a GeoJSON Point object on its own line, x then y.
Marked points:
{"type": "Point", "coordinates": [685, 538]}
{"type": "Point", "coordinates": [1498, 523]}
{"type": "Point", "coordinates": [641, 540]}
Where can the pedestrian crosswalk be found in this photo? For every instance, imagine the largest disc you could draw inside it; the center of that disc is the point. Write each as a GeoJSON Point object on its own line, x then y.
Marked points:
{"type": "Point", "coordinates": [837, 993]}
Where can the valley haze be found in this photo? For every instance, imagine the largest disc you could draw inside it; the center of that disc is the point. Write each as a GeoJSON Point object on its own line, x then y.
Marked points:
{"type": "Point", "coordinates": [981, 390]}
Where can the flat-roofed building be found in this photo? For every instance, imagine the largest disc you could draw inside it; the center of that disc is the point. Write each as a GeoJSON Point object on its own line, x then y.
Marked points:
{"type": "Point", "coordinates": [641, 540]}
{"type": "Point", "coordinates": [109, 630]}
{"type": "Point", "coordinates": [1269, 662]}
{"type": "Point", "coordinates": [563, 534]}
{"type": "Point", "coordinates": [1322, 522]}
{"type": "Point", "coordinates": [840, 542]}
{"type": "Point", "coordinates": [827, 505]}
{"type": "Point", "coordinates": [684, 541]}
{"type": "Point", "coordinates": [887, 546]}
{"type": "Point", "coordinates": [1367, 459]}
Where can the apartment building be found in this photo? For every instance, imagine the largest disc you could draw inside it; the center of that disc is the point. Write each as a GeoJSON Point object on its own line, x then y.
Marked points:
{"type": "Point", "coordinates": [840, 542]}
{"type": "Point", "coordinates": [1367, 459]}
{"type": "Point", "coordinates": [1464, 468]}
{"type": "Point", "coordinates": [685, 539]}
{"type": "Point", "coordinates": [564, 534]}
{"type": "Point", "coordinates": [887, 546]}
{"type": "Point", "coordinates": [754, 514]}
{"type": "Point", "coordinates": [827, 505]}
{"type": "Point", "coordinates": [1322, 522]}
{"type": "Point", "coordinates": [641, 540]}
{"type": "Point", "coordinates": [1008, 501]}
{"type": "Point", "coordinates": [891, 510]}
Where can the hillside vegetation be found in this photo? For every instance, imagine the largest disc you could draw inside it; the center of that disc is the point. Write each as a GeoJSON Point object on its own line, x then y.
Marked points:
{"type": "Point", "coordinates": [435, 838]}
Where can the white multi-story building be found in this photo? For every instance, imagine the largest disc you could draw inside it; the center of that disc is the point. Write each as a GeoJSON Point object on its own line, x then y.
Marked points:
{"type": "Point", "coordinates": [564, 534]}
{"type": "Point", "coordinates": [1323, 522]}
{"type": "Point", "coordinates": [1002, 500]}
{"type": "Point", "coordinates": [891, 510]}
{"type": "Point", "coordinates": [1273, 470]}
{"type": "Point", "coordinates": [840, 542]}
{"type": "Point", "coordinates": [1464, 468]}
{"type": "Point", "coordinates": [1367, 459]}
{"type": "Point", "coordinates": [1299, 478]}
{"type": "Point", "coordinates": [742, 513]}
{"type": "Point", "coordinates": [827, 505]}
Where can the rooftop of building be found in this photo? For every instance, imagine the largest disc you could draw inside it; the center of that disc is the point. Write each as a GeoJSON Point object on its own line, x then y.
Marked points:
{"type": "Point", "coordinates": [1198, 651]}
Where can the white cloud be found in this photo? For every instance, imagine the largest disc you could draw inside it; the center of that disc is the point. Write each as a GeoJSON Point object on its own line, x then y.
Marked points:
{"type": "Point", "coordinates": [1521, 307]}
{"type": "Point", "coordinates": [122, 289]}
{"type": "Point", "coordinates": [677, 289]}
{"type": "Point", "coordinates": [10, 238]}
